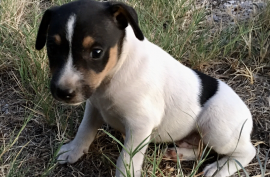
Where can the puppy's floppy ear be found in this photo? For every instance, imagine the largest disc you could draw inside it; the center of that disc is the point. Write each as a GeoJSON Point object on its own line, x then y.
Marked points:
{"type": "Point", "coordinates": [43, 28]}
{"type": "Point", "coordinates": [125, 15]}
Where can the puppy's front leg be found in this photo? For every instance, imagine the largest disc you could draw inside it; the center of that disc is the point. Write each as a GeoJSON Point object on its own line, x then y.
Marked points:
{"type": "Point", "coordinates": [71, 152]}
{"type": "Point", "coordinates": [133, 139]}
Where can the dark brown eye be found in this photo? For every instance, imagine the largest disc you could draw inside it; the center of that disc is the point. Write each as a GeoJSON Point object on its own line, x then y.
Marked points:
{"type": "Point", "coordinates": [96, 53]}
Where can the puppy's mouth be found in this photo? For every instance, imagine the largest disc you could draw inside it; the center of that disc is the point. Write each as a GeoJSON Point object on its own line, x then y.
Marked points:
{"type": "Point", "coordinates": [70, 101]}
{"type": "Point", "coordinates": [70, 97]}
{"type": "Point", "coordinates": [74, 103]}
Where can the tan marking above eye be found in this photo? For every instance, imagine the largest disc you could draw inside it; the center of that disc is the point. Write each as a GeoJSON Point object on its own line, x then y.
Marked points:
{"type": "Point", "coordinates": [88, 41]}
{"type": "Point", "coordinates": [57, 39]}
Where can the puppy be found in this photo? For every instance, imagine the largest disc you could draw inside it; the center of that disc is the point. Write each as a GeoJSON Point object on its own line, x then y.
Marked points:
{"type": "Point", "coordinates": [98, 54]}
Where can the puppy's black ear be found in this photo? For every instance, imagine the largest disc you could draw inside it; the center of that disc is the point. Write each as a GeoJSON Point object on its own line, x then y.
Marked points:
{"type": "Point", "coordinates": [43, 28]}
{"type": "Point", "coordinates": [125, 15]}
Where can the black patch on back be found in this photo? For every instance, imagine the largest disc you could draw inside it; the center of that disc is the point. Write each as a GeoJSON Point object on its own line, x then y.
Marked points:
{"type": "Point", "coordinates": [209, 87]}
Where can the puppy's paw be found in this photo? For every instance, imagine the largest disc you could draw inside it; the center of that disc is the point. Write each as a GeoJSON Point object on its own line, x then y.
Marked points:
{"type": "Point", "coordinates": [71, 152]}
{"type": "Point", "coordinates": [209, 170]}
{"type": "Point", "coordinates": [170, 154]}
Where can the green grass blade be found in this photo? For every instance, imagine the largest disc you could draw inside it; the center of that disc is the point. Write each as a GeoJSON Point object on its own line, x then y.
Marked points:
{"type": "Point", "coordinates": [113, 164]}
{"type": "Point", "coordinates": [246, 173]}
{"type": "Point", "coordinates": [259, 161]}
{"type": "Point", "coordinates": [115, 139]}
{"type": "Point", "coordinates": [266, 161]}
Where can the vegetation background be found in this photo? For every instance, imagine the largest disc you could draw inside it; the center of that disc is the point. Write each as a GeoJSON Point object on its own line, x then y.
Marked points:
{"type": "Point", "coordinates": [228, 40]}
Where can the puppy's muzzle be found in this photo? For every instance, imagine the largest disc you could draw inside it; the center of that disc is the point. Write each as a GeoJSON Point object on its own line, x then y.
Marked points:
{"type": "Point", "coordinates": [62, 94]}
{"type": "Point", "coordinates": [65, 94]}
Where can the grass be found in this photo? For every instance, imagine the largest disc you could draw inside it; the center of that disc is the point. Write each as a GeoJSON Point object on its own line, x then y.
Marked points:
{"type": "Point", "coordinates": [238, 53]}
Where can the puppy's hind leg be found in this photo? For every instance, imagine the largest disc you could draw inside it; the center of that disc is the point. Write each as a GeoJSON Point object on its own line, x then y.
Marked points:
{"type": "Point", "coordinates": [243, 155]}
{"type": "Point", "coordinates": [227, 128]}
{"type": "Point", "coordinates": [71, 152]}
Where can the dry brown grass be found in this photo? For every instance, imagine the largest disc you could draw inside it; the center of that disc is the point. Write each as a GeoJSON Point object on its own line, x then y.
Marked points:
{"type": "Point", "coordinates": [238, 54]}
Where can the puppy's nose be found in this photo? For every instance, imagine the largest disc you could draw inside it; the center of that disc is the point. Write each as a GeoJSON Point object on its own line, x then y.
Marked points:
{"type": "Point", "coordinates": [65, 94]}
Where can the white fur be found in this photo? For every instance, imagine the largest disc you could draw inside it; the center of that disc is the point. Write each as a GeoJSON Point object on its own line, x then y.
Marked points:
{"type": "Point", "coordinates": [70, 29]}
{"type": "Point", "coordinates": [151, 92]}
{"type": "Point", "coordinates": [69, 73]}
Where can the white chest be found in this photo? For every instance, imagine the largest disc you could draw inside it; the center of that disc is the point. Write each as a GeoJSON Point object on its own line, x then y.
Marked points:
{"type": "Point", "coordinates": [110, 114]}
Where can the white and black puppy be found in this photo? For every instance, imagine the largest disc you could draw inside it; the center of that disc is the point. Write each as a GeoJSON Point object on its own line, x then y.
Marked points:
{"type": "Point", "coordinates": [98, 54]}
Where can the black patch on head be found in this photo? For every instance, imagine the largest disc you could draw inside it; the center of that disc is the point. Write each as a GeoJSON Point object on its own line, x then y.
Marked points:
{"type": "Point", "coordinates": [105, 22]}
{"type": "Point", "coordinates": [43, 28]}
{"type": "Point", "coordinates": [125, 15]}
{"type": "Point", "coordinates": [209, 87]}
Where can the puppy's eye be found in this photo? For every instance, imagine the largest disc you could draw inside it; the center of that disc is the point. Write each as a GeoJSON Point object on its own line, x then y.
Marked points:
{"type": "Point", "coordinates": [96, 53]}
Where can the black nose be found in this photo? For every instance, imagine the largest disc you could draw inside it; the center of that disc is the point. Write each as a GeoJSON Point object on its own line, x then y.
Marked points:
{"type": "Point", "coordinates": [65, 94]}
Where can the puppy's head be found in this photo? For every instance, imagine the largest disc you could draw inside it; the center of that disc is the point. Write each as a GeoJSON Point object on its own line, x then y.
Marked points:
{"type": "Point", "coordinates": [84, 40]}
